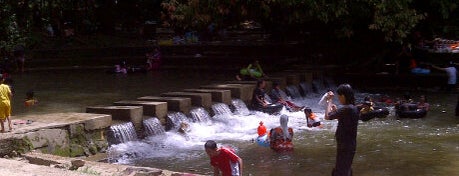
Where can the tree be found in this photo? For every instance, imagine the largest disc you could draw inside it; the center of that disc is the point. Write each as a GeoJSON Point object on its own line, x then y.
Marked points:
{"type": "Point", "coordinates": [394, 19]}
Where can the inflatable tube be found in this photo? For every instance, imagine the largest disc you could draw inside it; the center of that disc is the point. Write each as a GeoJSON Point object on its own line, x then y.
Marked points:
{"type": "Point", "coordinates": [270, 109]}
{"type": "Point", "coordinates": [413, 114]}
{"type": "Point", "coordinates": [410, 110]}
{"type": "Point", "coordinates": [378, 112]}
{"type": "Point", "coordinates": [263, 141]}
{"type": "Point", "coordinates": [281, 147]}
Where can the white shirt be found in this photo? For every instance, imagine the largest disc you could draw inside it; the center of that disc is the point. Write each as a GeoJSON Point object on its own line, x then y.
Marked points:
{"type": "Point", "coordinates": [451, 71]}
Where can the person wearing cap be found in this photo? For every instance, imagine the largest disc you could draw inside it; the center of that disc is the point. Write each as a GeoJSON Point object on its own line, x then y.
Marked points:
{"type": "Point", "coordinates": [5, 104]}
{"type": "Point", "coordinates": [280, 138]}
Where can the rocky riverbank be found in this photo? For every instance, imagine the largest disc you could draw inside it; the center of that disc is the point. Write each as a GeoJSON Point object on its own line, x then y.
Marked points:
{"type": "Point", "coordinates": [35, 163]}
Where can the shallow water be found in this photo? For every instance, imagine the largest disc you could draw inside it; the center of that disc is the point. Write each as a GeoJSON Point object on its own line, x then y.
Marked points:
{"type": "Point", "coordinates": [387, 146]}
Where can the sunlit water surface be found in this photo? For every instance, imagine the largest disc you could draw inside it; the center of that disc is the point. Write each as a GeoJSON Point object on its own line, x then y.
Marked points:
{"type": "Point", "coordinates": [388, 146]}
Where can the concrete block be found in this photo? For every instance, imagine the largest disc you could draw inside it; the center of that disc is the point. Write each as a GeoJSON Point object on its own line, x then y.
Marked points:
{"type": "Point", "coordinates": [197, 99]}
{"type": "Point", "coordinates": [179, 104]}
{"type": "Point", "coordinates": [269, 84]}
{"type": "Point", "coordinates": [150, 108]}
{"type": "Point", "coordinates": [281, 80]}
{"type": "Point", "coordinates": [218, 95]}
{"type": "Point", "coordinates": [240, 91]}
{"type": "Point", "coordinates": [308, 77]}
{"type": "Point", "coordinates": [293, 79]}
{"type": "Point", "coordinates": [99, 121]}
{"type": "Point", "coordinates": [125, 113]}
{"type": "Point", "coordinates": [247, 91]}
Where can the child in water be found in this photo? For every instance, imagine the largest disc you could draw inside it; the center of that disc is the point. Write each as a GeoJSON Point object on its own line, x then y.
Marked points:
{"type": "Point", "coordinates": [30, 99]}
{"type": "Point", "coordinates": [311, 118]}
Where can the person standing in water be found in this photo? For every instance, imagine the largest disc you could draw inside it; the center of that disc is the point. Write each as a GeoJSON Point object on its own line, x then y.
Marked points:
{"type": "Point", "coordinates": [280, 138]}
{"type": "Point", "coordinates": [452, 75]}
{"type": "Point", "coordinates": [223, 160]}
{"type": "Point", "coordinates": [346, 133]}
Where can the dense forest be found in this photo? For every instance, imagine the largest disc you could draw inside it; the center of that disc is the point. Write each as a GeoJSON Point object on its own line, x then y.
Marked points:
{"type": "Point", "coordinates": [24, 21]}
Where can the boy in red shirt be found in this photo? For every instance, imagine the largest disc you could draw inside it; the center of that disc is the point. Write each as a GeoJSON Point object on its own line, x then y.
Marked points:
{"type": "Point", "coordinates": [223, 160]}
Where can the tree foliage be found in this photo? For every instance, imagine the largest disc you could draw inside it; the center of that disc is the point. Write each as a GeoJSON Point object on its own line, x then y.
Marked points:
{"type": "Point", "coordinates": [394, 19]}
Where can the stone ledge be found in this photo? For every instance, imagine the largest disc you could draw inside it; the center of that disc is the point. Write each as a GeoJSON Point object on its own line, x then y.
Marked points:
{"type": "Point", "coordinates": [127, 113]}
{"type": "Point", "coordinates": [179, 104]}
{"type": "Point", "coordinates": [58, 120]}
{"type": "Point", "coordinates": [197, 99]}
{"type": "Point", "coordinates": [150, 108]}
{"type": "Point", "coordinates": [218, 95]}
{"type": "Point", "coordinates": [104, 169]}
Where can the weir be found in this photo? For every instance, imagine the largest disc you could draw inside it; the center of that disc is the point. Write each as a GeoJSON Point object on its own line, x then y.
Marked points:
{"type": "Point", "coordinates": [218, 95]}
{"type": "Point", "coordinates": [172, 112]}
{"type": "Point", "coordinates": [198, 99]}
{"type": "Point", "coordinates": [150, 108]}
{"type": "Point", "coordinates": [179, 104]}
{"type": "Point", "coordinates": [153, 127]}
{"type": "Point", "coordinates": [221, 109]}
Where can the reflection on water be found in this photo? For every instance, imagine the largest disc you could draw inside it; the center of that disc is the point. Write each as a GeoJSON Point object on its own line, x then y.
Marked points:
{"type": "Point", "coordinates": [387, 146]}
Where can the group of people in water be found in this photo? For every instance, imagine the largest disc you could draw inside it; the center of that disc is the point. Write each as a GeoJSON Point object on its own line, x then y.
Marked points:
{"type": "Point", "coordinates": [280, 138]}
{"type": "Point", "coordinates": [153, 62]}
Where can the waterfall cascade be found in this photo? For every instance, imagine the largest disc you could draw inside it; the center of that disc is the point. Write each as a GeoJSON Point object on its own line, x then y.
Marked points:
{"type": "Point", "coordinates": [174, 119]}
{"type": "Point", "coordinates": [221, 109]}
{"type": "Point", "coordinates": [293, 91]}
{"type": "Point", "coordinates": [318, 86]}
{"type": "Point", "coordinates": [153, 127]}
{"type": "Point", "coordinates": [306, 88]}
{"type": "Point", "coordinates": [121, 133]}
{"type": "Point", "coordinates": [199, 115]}
{"type": "Point", "coordinates": [240, 108]}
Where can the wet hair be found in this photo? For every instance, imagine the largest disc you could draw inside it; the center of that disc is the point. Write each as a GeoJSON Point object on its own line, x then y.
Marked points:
{"type": "Point", "coordinates": [348, 92]}
{"type": "Point", "coordinates": [308, 110]}
{"type": "Point", "coordinates": [210, 144]}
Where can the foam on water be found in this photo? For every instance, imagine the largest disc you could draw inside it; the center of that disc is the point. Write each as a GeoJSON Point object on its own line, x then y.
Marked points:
{"type": "Point", "coordinates": [222, 127]}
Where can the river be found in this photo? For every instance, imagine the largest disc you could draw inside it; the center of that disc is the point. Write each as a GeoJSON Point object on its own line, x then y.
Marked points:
{"type": "Point", "coordinates": [386, 146]}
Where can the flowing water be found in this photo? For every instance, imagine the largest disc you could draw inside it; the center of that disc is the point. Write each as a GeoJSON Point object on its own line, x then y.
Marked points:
{"type": "Point", "coordinates": [153, 127]}
{"type": "Point", "coordinates": [121, 133]}
{"type": "Point", "coordinates": [387, 146]}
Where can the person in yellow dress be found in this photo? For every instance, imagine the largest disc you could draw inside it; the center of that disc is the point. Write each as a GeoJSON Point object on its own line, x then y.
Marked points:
{"type": "Point", "coordinates": [5, 104]}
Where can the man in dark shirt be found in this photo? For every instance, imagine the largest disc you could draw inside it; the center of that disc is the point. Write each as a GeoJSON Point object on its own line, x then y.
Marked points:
{"type": "Point", "coordinates": [346, 133]}
{"type": "Point", "coordinates": [258, 97]}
